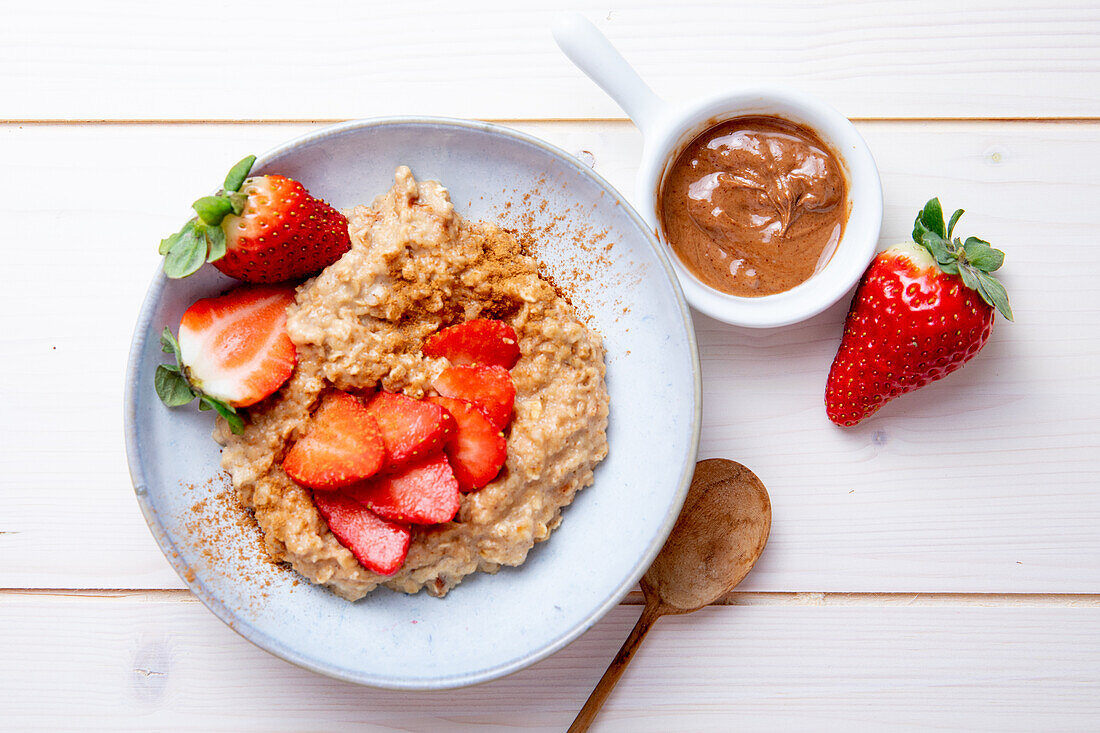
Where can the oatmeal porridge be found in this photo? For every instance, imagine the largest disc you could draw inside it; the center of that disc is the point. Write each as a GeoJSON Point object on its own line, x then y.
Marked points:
{"type": "Point", "coordinates": [414, 267]}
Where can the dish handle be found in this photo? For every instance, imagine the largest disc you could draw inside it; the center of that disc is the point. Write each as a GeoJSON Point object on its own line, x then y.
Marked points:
{"type": "Point", "coordinates": [593, 54]}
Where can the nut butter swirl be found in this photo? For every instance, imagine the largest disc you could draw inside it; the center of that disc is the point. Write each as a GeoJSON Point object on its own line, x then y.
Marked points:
{"type": "Point", "coordinates": [754, 205]}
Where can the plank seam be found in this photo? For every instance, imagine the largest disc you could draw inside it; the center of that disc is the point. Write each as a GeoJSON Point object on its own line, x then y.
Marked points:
{"type": "Point", "coordinates": [746, 598]}
{"type": "Point", "coordinates": [500, 120]}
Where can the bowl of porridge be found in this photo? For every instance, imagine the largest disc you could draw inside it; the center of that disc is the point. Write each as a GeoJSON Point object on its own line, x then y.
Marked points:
{"type": "Point", "coordinates": [450, 221]}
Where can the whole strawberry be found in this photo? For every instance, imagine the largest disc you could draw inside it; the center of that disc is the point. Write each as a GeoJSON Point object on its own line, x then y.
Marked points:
{"type": "Point", "coordinates": [265, 229]}
{"type": "Point", "coordinates": [922, 310]}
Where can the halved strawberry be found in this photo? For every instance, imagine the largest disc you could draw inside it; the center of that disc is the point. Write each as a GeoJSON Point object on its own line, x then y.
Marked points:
{"type": "Point", "coordinates": [264, 229]}
{"type": "Point", "coordinates": [232, 352]}
{"type": "Point", "coordinates": [424, 493]}
{"type": "Point", "coordinates": [411, 429]}
{"type": "Point", "coordinates": [477, 449]}
{"type": "Point", "coordinates": [479, 341]}
{"type": "Point", "coordinates": [235, 347]}
{"type": "Point", "coordinates": [490, 388]}
{"type": "Point", "coordinates": [341, 445]}
{"type": "Point", "coordinates": [378, 545]}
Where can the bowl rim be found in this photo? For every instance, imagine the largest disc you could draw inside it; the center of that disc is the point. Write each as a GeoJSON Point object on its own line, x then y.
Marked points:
{"type": "Point", "coordinates": [681, 123]}
{"type": "Point", "coordinates": [271, 645]}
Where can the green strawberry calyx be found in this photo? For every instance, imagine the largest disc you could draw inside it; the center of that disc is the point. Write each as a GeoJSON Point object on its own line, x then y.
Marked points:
{"type": "Point", "coordinates": [201, 239]}
{"type": "Point", "coordinates": [175, 388]}
{"type": "Point", "coordinates": [972, 260]}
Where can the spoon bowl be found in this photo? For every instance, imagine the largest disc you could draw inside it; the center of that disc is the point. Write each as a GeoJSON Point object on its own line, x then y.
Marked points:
{"type": "Point", "coordinates": [719, 536]}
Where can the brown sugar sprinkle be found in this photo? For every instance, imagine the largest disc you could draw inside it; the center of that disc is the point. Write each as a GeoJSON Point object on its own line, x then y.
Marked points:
{"type": "Point", "coordinates": [224, 534]}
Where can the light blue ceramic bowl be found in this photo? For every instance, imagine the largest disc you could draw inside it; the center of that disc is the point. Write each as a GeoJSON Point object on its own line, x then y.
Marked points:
{"type": "Point", "coordinates": [490, 625]}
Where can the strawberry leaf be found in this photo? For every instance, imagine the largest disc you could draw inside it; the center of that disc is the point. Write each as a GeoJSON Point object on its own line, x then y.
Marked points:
{"type": "Point", "coordinates": [169, 345]}
{"type": "Point", "coordinates": [954, 220]}
{"type": "Point", "coordinates": [935, 244]}
{"type": "Point", "coordinates": [969, 276]}
{"type": "Point", "coordinates": [971, 260]}
{"type": "Point", "coordinates": [167, 243]}
{"type": "Point", "coordinates": [982, 256]}
{"type": "Point", "coordinates": [212, 209]}
{"type": "Point", "coordinates": [171, 386]}
{"type": "Point", "coordinates": [236, 424]}
{"type": "Point", "coordinates": [238, 173]}
{"type": "Point", "coordinates": [170, 382]}
{"type": "Point", "coordinates": [932, 217]}
{"type": "Point", "coordinates": [186, 255]}
{"type": "Point", "coordinates": [994, 293]}
{"type": "Point", "coordinates": [919, 230]}
{"type": "Point", "coordinates": [215, 239]}
{"type": "Point", "coordinates": [237, 201]}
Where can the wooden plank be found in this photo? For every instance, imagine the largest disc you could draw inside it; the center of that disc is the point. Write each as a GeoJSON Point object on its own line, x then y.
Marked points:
{"type": "Point", "coordinates": [151, 662]}
{"type": "Point", "coordinates": [984, 482]}
{"type": "Point", "coordinates": [121, 59]}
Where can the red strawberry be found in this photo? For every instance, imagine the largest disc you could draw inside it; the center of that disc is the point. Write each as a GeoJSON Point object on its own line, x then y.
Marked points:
{"type": "Point", "coordinates": [265, 229]}
{"type": "Point", "coordinates": [341, 445]}
{"type": "Point", "coordinates": [378, 545]}
{"type": "Point", "coordinates": [411, 429]}
{"type": "Point", "coordinates": [921, 311]}
{"type": "Point", "coordinates": [490, 388]}
{"type": "Point", "coordinates": [477, 449]}
{"type": "Point", "coordinates": [424, 493]}
{"type": "Point", "coordinates": [479, 341]}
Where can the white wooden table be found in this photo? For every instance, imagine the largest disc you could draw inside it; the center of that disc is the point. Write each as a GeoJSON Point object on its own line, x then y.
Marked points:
{"type": "Point", "coordinates": [937, 567]}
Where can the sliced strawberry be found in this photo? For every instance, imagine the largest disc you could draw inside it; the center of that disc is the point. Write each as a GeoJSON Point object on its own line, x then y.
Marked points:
{"type": "Point", "coordinates": [378, 545]}
{"type": "Point", "coordinates": [479, 341]}
{"type": "Point", "coordinates": [235, 347]}
{"type": "Point", "coordinates": [341, 445]}
{"type": "Point", "coordinates": [424, 493]}
{"type": "Point", "coordinates": [490, 388]}
{"type": "Point", "coordinates": [411, 429]}
{"type": "Point", "coordinates": [477, 449]}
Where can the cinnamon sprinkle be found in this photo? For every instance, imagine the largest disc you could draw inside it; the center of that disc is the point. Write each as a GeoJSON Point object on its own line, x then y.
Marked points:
{"type": "Point", "coordinates": [225, 536]}
{"type": "Point", "coordinates": [530, 219]}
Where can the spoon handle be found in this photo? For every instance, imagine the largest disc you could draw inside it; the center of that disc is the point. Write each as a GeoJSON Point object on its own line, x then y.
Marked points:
{"type": "Point", "coordinates": [595, 701]}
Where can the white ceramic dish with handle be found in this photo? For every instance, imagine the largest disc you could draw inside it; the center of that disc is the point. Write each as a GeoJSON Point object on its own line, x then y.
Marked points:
{"type": "Point", "coordinates": [667, 129]}
{"type": "Point", "coordinates": [490, 625]}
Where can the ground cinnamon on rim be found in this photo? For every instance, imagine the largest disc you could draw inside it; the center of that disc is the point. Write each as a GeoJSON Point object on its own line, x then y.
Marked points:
{"type": "Point", "coordinates": [225, 538]}
{"type": "Point", "coordinates": [530, 219]}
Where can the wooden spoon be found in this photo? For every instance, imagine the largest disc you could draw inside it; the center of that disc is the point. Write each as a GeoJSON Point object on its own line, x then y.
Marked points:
{"type": "Point", "coordinates": [720, 534]}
